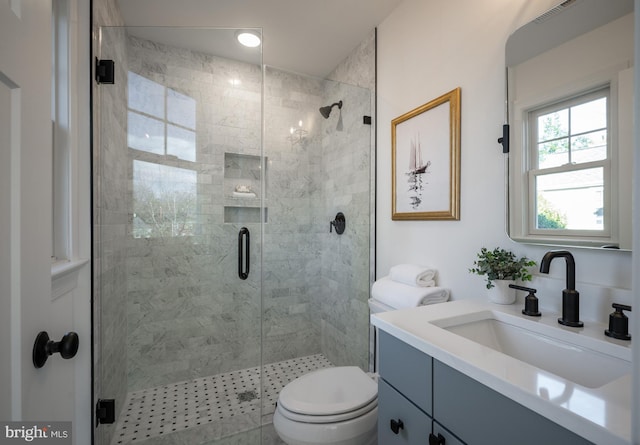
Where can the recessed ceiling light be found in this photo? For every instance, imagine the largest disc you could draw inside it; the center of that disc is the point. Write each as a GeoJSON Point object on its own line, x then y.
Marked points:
{"type": "Point", "coordinates": [250, 39]}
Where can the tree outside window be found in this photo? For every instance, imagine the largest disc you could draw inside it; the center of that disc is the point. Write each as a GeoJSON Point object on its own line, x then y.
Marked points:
{"type": "Point", "coordinates": [162, 133]}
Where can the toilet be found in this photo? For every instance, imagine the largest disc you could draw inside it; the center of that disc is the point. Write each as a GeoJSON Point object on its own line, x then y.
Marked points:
{"type": "Point", "coordinates": [337, 406]}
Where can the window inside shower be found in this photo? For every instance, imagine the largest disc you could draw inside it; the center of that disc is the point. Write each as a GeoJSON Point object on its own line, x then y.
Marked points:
{"type": "Point", "coordinates": [160, 119]}
{"type": "Point", "coordinates": [161, 132]}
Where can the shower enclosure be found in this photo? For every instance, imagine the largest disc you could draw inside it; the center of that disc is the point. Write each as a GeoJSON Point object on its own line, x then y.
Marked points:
{"type": "Point", "coordinates": [217, 279]}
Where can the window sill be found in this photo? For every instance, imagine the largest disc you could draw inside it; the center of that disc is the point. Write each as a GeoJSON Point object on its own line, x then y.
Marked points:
{"type": "Point", "coordinates": [64, 277]}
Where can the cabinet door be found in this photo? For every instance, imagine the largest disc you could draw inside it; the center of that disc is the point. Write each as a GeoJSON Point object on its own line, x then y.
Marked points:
{"type": "Point", "coordinates": [406, 369]}
{"type": "Point", "coordinates": [479, 415]}
{"type": "Point", "coordinates": [399, 420]}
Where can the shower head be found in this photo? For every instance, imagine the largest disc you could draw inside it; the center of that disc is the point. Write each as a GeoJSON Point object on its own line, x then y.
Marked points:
{"type": "Point", "coordinates": [326, 111]}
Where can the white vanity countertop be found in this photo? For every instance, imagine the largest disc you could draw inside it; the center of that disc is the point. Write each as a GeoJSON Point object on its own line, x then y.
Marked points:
{"type": "Point", "coordinates": [601, 415]}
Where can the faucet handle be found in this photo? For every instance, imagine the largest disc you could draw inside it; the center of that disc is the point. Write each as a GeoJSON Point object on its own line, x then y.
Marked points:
{"type": "Point", "coordinates": [527, 289]}
{"type": "Point", "coordinates": [530, 301]}
{"type": "Point", "coordinates": [621, 307]}
{"type": "Point", "coordinates": [619, 323]}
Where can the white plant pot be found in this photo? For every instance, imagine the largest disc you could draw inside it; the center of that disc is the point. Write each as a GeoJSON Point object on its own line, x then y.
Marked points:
{"type": "Point", "coordinates": [501, 293]}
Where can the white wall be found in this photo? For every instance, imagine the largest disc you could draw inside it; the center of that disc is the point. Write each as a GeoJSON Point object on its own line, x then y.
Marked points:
{"type": "Point", "coordinates": [425, 49]}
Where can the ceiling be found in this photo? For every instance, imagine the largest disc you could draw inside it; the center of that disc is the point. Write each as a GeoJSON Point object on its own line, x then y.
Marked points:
{"type": "Point", "coordinates": [304, 36]}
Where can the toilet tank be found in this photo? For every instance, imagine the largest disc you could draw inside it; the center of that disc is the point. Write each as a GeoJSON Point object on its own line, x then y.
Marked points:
{"type": "Point", "coordinates": [375, 307]}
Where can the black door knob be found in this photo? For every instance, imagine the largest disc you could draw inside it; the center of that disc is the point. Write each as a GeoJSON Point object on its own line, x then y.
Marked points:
{"type": "Point", "coordinates": [44, 347]}
{"type": "Point", "coordinates": [396, 425]}
{"type": "Point", "coordinates": [436, 440]}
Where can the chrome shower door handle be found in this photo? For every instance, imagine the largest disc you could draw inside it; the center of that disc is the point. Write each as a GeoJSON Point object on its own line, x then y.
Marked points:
{"type": "Point", "coordinates": [244, 240]}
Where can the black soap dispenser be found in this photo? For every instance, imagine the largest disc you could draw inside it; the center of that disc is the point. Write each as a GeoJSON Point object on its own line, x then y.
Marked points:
{"type": "Point", "coordinates": [619, 323]}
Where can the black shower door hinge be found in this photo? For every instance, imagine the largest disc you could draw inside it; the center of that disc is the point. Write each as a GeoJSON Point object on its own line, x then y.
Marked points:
{"type": "Point", "coordinates": [504, 140]}
{"type": "Point", "coordinates": [105, 71]}
{"type": "Point", "coordinates": [105, 411]}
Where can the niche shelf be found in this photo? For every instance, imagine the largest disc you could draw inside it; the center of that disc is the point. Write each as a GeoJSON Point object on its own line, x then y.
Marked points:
{"type": "Point", "coordinates": [243, 215]}
{"type": "Point", "coordinates": [242, 188]}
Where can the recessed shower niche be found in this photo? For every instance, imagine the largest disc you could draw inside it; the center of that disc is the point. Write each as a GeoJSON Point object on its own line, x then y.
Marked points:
{"type": "Point", "coordinates": [242, 188]}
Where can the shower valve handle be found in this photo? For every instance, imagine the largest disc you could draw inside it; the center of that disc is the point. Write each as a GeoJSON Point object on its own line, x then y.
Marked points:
{"type": "Point", "coordinates": [339, 223]}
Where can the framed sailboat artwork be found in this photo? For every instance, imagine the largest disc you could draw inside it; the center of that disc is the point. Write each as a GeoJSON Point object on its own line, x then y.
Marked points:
{"type": "Point", "coordinates": [425, 161]}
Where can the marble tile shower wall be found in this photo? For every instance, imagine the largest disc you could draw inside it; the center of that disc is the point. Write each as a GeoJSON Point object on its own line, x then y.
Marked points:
{"type": "Point", "coordinates": [347, 187]}
{"type": "Point", "coordinates": [324, 304]}
{"type": "Point", "coordinates": [110, 218]}
{"type": "Point", "coordinates": [296, 223]}
{"type": "Point", "coordinates": [188, 314]}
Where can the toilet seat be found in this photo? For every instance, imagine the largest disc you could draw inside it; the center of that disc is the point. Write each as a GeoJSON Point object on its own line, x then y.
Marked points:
{"type": "Point", "coordinates": [329, 395]}
{"type": "Point", "coordinates": [328, 418]}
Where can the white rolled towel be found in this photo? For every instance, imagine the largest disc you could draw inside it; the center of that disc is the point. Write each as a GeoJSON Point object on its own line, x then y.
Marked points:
{"type": "Point", "coordinates": [400, 296]}
{"type": "Point", "coordinates": [413, 275]}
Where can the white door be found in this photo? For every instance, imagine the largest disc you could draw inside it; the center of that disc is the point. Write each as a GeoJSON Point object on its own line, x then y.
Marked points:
{"type": "Point", "coordinates": [26, 305]}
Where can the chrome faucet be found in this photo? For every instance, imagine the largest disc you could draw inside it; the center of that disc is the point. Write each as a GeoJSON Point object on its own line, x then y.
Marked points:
{"type": "Point", "coordinates": [570, 296]}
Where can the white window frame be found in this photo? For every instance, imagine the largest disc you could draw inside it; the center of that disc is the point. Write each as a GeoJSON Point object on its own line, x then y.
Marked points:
{"type": "Point", "coordinates": [598, 237]}
{"type": "Point", "coordinates": [70, 228]}
{"type": "Point", "coordinates": [61, 126]}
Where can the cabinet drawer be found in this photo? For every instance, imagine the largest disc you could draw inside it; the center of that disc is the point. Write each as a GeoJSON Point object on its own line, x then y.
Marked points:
{"type": "Point", "coordinates": [406, 369]}
{"type": "Point", "coordinates": [393, 406]}
{"type": "Point", "coordinates": [447, 438]}
{"type": "Point", "coordinates": [479, 415]}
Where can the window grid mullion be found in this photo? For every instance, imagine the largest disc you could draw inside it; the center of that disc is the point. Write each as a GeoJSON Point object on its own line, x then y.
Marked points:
{"type": "Point", "coordinates": [569, 142]}
{"type": "Point", "coordinates": [166, 119]}
{"type": "Point", "coordinates": [570, 137]}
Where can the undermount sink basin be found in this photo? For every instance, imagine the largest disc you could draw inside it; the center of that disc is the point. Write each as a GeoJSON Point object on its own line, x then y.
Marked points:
{"type": "Point", "coordinates": [582, 361]}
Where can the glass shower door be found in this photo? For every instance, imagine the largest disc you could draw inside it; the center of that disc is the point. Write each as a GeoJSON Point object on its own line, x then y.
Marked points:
{"type": "Point", "coordinates": [178, 213]}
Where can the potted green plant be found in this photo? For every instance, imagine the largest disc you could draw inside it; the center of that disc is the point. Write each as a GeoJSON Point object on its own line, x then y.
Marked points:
{"type": "Point", "coordinates": [501, 267]}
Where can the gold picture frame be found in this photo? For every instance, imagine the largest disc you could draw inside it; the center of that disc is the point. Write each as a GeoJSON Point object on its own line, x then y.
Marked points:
{"type": "Point", "coordinates": [425, 161]}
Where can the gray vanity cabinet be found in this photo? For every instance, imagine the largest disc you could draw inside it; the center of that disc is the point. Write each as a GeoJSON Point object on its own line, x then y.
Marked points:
{"type": "Point", "coordinates": [404, 371]}
{"type": "Point", "coordinates": [399, 420]}
{"type": "Point", "coordinates": [481, 416]}
{"type": "Point", "coordinates": [408, 370]}
{"type": "Point", "coordinates": [442, 436]}
{"type": "Point", "coordinates": [422, 401]}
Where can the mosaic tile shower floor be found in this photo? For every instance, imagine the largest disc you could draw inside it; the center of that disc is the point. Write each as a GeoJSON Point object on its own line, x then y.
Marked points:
{"type": "Point", "coordinates": [211, 407]}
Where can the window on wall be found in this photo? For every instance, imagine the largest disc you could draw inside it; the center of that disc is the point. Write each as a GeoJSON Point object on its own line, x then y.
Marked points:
{"type": "Point", "coordinates": [569, 167]}
{"type": "Point", "coordinates": [162, 135]}
{"type": "Point", "coordinates": [164, 200]}
{"type": "Point", "coordinates": [60, 131]}
{"type": "Point", "coordinates": [161, 120]}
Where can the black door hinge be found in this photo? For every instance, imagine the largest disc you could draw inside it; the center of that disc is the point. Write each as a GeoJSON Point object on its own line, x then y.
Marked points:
{"type": "Point", "coordinates": [105, 71]}
{"type": "Point", "coordinates": [504, 140]}
{"type": "Point", "coordinates": [105, 411]}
